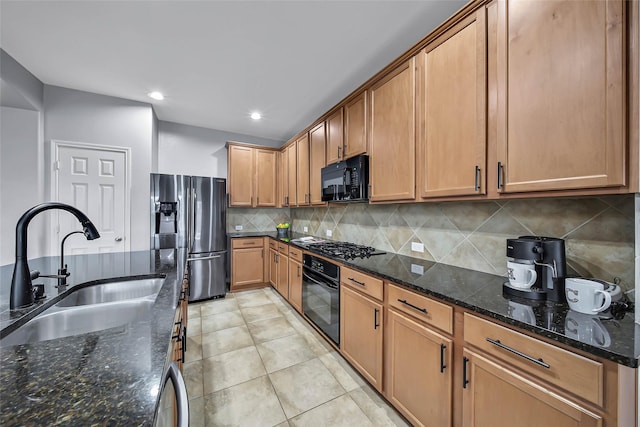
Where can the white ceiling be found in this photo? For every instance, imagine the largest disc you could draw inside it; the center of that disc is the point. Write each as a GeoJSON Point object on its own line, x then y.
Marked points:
{"type": "Point", "coordinates": [217, 61]}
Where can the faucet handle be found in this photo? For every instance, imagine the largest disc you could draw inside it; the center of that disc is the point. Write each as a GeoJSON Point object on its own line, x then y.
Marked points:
{"type": "Point", "coordinates": [38, 291]}
{"type": "Point", "coordinates": [35, 274]}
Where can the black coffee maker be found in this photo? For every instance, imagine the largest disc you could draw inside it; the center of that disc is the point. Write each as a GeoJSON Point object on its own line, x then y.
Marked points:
{"type": "Point", "coordinates": [548, 255]}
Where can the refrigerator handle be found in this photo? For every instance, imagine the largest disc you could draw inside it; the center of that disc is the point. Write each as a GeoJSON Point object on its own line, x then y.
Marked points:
{"type": "Point", "coordinates": [204, 258]}
{"type": "Point", "coordinates": [191, 219]}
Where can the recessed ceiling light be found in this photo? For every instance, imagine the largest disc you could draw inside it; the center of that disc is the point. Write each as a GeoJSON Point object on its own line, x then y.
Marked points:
{"type": "Point", "coordinates": [256, 116]}
{"type": "Point", "coordinates": [156, 95]}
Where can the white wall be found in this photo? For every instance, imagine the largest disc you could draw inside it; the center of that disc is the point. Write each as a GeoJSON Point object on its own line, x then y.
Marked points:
{"type": "Point", "coordinates": [191, 150]}
{"type": "Point", "coordinates": [78, 116]}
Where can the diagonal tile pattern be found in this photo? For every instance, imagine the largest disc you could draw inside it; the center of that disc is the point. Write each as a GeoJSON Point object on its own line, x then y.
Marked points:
{"type": "Point", "coordinates": [271, 370]}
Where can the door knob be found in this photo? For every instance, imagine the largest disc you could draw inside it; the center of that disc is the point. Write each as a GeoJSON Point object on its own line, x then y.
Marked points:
{"type": "Point", "coordinates": [118, 239]}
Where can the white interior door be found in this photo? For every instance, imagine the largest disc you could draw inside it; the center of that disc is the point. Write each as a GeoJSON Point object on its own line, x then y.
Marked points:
{"type": "Point", "coordinates": [95, 180]}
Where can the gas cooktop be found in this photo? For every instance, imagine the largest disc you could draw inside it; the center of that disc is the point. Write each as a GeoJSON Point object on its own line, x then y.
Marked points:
{"type": "Point", "coordinates": [344, 250]}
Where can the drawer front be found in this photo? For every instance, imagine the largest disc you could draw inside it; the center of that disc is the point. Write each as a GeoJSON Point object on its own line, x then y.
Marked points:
{"type": "Point", "coordinates": [422, 308]}
{"type": "Point", "coordinates": [283, 248]}
{"type": "Point", "coordinates": [362, 282]}
{"type": "Point", "coordinates": [273, 244]}
{"type": "Point", "coordinates": [570, 371]}
{"type": "Point", "coordinates": [247, 242]}
{"type": "Point", "coordinates": [295, 253]}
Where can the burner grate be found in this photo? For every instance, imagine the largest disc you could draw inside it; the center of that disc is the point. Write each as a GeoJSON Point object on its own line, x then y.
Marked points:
{"type": "Point", "coordinates": [344, 250]}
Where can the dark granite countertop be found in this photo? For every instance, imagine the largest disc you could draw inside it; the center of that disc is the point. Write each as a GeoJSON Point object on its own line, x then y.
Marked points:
{"type": "Point", "coordinates": [110, 377]}
{"type": "Point", "coordinates": [615, 340]}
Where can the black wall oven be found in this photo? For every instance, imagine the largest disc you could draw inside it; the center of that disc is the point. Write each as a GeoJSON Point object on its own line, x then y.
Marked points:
{"type": "Point", "coordinates": [321, 295]}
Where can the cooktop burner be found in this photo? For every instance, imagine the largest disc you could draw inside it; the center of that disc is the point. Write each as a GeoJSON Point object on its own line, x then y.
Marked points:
{"type": "Point", "coordinates": [344, 250]}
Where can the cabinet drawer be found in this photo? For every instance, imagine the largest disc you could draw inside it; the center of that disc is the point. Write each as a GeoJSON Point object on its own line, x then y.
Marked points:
{"type": "Point", "coordinates": [570, 371]}
{"type": "Point", "coordinates": [362, 282]}
{"type": "Point", "coordinates": [295, 253]}
{"type": "Point", "coordinates": [283, 248]}
{"type": "Point", "coordinates": [247, 242]}
{"type": "Point", "coordinates": [273, 244]}
{"type": "Point", "coordinates": [423, 308]}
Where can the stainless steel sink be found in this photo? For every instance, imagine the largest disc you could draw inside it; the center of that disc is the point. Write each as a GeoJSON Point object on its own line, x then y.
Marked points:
{"type": "Point", "coordinates": [65, 322]}
{"type": "Point", "coordinates": [113, 291]}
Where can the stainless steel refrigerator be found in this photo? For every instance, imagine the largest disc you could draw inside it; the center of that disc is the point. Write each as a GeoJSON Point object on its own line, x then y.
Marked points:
{"type": "Point", "coordinates": [190, 212]}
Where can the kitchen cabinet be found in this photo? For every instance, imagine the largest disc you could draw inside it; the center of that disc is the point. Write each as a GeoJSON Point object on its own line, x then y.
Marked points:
{"type": "Point", "coordinates": [561, 100]}
{"type": "Point", "coordinates": [361, 320]}
{"type": "Point", "coordinates": [179, 334]}
{"type": "Point", "coordinates": [292, 171]}
{"type": "Point", "coordinates": [452, 88]}
{"type": "Point", "coordinates": [252, 176]}
{"type": "Point", "coordinates": [302, 171]}
{"type": "Point", "coordinates": [317, 152]}
{"type": "Point", "coordinates": [247, 263]}
{"type": "Point", "coordinates": [279, 267]}
{"type": "Point", "coordinates": [355, 126]}
{"type": "Point", "coordinates": [392, 141]}
{"type": "Point", "coordinates": [295, 278]}
{"type": "Point", "coordinates": [335, 137]}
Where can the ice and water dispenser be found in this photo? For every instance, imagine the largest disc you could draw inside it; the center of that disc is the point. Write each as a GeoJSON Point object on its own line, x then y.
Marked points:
{"type": "Point", "coordinates": [167, 211]}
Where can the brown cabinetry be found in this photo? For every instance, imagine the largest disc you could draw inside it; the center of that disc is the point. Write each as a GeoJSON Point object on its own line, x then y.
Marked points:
{"type": "Point", "coordinates": [291, 177]}
{"type": "Point", "coordinates": [335, 137]}
{"type": "Point", "coordinates": [392, 141]}
{"type": "Point", "coordinates": [355, 126]}
{"type": "Point", "coordinates": [295, 283]}
{"type": "Point", "coordinates": [179, 333]}
{"type": "Point", "coordinates": [560, 95]}
{"type": "Point", "coordinates": [247, 263]}
{"type": "Point", "coordinates": [317, 152]}
{"type": "Point", "coordinates": [361, 321]}
{"type": "Point", "coordinates": [302, 171]}
{"type": "Point", "coordinates": [279, 267]}
{"type": "Point", "coordinates": [252, 176]}
{"type": "Point", "coordinates": [452, 89]}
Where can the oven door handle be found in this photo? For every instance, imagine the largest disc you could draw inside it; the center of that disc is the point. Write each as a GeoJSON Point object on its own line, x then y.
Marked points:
{"type": "Point", "coordinates": [318, 282]}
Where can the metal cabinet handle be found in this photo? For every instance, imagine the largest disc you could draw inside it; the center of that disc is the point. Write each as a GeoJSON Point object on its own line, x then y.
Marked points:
{"type": "Point", "coordinates": [298, 271]}
{"type": "Point", "coordinates": [415, 307]}
{"type": "Point", "coordinates": [538, 361]}
{"type": "Point", "coordinates": [180, 388]}
{"type": "Point", "coordinates": [477, 186]}
{"type": "Point", "coordinates": [357, 282]}
{"type": "Point", "coordinates": [375, 318]}
{"type": "Point", "coordinates": [442, 365]}
{"type": "Point", "coordinates": [118, 239]}
{"type": "Point", "coordinates": [465, 381]}
{"type": "Point", "coordinates": [339, 151]}
{"type": "Point", "coordinates": [500, 183]}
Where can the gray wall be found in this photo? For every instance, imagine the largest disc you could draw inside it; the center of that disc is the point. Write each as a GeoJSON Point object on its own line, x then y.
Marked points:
{"type": "Point", "coordinates": [77, 116]}
{"type": "Point", "coordinates": [191, 150]}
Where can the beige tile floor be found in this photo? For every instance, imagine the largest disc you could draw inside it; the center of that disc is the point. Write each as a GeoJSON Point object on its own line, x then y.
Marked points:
{"type": "Point", "coordinates": [253, 361]}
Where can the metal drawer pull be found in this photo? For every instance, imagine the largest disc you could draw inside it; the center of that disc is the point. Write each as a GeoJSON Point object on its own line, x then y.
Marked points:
{"type": "Point", "coordinates": [500, 184]}
{"type": "Point", "coordinates": [375, 318]}
{"type": "Point", "coordinates": [465, 381]}
{"type": "Point", "coordinates": [477, 186]}
{"type": "Point", "coordinates": [518, 353]}
{"type": "Point", "coordinates": [404, 301]}
{"type": "Point", "coordinates": [442, 365]}
{"type": "Point", "coordinates": [357, 282]}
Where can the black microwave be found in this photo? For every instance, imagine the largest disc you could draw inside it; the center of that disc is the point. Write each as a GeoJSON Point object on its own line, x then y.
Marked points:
{"type": "Point", "coordinates": [346, 181]}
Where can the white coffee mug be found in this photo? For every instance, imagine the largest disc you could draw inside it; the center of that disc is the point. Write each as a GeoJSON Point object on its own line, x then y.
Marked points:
{"type": "Point", "coordinates": [521, 276]}
{"type": "Point", "coordinates": [586, 296]}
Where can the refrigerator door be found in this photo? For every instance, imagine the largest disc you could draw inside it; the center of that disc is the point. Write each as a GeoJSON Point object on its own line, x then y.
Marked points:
{"type": "Point", "coordinates": [208, 228]}
{"type": "Point", "coordinates": [169, 215]}
{"type": "Point", "coordinates": [207, 275]}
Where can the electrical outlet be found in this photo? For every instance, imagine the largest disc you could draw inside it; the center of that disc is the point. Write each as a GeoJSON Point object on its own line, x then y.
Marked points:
{"type": "Point", "coordinates": [305, 229]}
{"type": "Point", "coordinates": [238, 228]}
{"type": "Point", "coordinates": [417, 269]}
{"type": "Point", "coordinates": [329, 233]}
{"type": "Point", "coordinates": [417, 247]}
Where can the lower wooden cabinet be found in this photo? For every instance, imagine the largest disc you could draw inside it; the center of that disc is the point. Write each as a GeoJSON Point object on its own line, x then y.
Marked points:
{"type": "Point", "coordinates": [273, 267]}
{"type": "Point", "coordinates": [295, 284]}
{"type": "Point", "coordinates": [361, 320]}
{"type": "Point", "coordinates": [247, 263]}
{"type": "Point", "coordinates": [282, 284]}
{"type": "Point", "coordinates": [420, 372]}
{"type": "Point", "coordinates": [497, 396]}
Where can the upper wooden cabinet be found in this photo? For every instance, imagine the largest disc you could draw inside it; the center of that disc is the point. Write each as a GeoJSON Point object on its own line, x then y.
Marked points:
{"type": "Point", "coordinates": [560, 95]}
{"type": "Point", "coordinates": [393, 138]}
{"type": "Point", "coordinates": [292, 170]}
{"type": "Point", "coordinates": [317, 151]}
{"type": "Point", "coordinates": [252, 176]}
{"type": "Point", "coordinates": [452, 87]}
{"type": "Point", "coordinates": [302, 171]}
{"type": "Point", "coordinates": [355, 126]}
{"type": "Point", "coordinates": [335, 137]}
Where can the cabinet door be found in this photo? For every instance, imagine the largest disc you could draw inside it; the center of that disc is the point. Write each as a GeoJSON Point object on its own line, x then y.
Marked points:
{"type": "Point", "coordinates": [273, 268]}
{"type": "Point", "coordinates": [497, 396]}
{"type": "Point", "coordinates": [283, 275]}
{"type": "Point", "coordinates": [292, 171]}
{"type": "Point", "coordinates": [561, 95]}
{"type": "Point", "coordinates": [361, 334]}
{"type": "Point", "coordinates": [241, 162]}
{"type": "Point", "coordinates": [392, 140]}
{"type": "Point", "coordinates": [317, 151]}
{"type": "Point", "coordinates": [420, 371]}
{"type": "Point", "coordinates": [247, 267]}
{"type": "Point", "coordinates": [265, 177]}
{"type": "Point", "coordinates": [355, 126]}
{"type": "Point", "coordinates": [302, 171]}
{"type": "Point", "coordinates": [335, 138]}
{"type": "Point", "coordinates": [452, 110]}
{"type": "Point", "coordinates": [295, 284]}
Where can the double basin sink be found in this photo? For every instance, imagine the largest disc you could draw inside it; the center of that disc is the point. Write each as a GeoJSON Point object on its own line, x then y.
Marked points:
{"type": "Point", "coordinates": [90, 309]}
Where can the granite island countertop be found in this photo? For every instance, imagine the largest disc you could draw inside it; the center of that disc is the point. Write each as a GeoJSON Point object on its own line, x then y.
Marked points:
{"type": "Point", "coordinates": [109, 377]}
{"type": "Point", "coordinates": [615, 340]}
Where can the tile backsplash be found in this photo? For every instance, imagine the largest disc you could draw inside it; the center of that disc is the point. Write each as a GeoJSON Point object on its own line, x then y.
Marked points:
{"type": "Point", "coordinates": [263, 219]}
{"type": "Point", "coordinates": [599, 231]}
